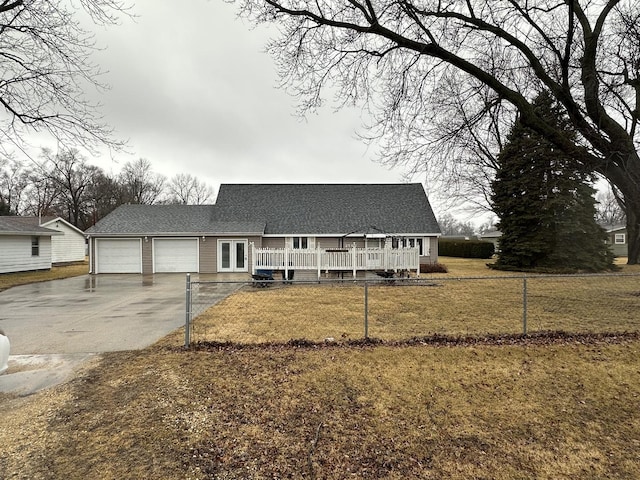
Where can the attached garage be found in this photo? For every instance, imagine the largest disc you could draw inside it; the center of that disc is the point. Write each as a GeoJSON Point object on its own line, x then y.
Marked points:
{"type": "Point", "coordinates": [175, 255]}
{"type": "Point", "coordinates": [118, 255]}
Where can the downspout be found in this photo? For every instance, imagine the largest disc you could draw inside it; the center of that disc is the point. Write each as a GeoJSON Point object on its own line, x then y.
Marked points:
{"type": "Point", "coordinates": [90, 254]}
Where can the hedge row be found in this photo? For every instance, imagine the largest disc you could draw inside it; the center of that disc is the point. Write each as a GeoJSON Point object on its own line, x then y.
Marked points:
{"type": "Point", "coordinates": [465, 248]}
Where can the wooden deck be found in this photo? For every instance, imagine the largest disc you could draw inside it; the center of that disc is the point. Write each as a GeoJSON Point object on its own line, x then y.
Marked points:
{"type": "Point", "coordinates": [351, 259]}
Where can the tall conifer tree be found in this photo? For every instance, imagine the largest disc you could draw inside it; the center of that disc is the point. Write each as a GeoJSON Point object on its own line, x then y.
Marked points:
{"type": "Point", "coordinates": [546, 204]}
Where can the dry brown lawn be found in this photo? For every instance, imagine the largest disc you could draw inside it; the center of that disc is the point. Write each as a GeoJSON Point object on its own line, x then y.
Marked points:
{"type": "Point", "coordinates": [469, 300]}
{"type": "Point", "coordinates": [510, 412]}
{"type": "Point", "coordinates": [548, 408]}
{"type": "Point", "coordinates": [8, 280]}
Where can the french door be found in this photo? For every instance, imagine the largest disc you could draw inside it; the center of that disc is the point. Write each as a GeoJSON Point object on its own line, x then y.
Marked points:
{"type": "Point", "coordinates": [232, 256]}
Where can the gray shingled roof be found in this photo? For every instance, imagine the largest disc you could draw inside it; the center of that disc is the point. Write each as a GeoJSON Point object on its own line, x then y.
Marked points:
{"type": "Point", "coordinates": [10, 225]}
{"type": "Point", "coordinates": [170, 219]}
{"type": "Point", "coordinates": [284, 209]}
{"type": "Point", "coordinates": [331, 208]}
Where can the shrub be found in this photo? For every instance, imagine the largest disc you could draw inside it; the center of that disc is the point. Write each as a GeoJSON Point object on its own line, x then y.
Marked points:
{"type": "Point", "coordinates": [433, 268]}
{"type": "Point", "coordinates": [465, 248]}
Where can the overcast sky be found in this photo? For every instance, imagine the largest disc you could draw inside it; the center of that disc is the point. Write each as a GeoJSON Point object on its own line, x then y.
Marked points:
{"type": "Point", "coordinates": [193, 91]}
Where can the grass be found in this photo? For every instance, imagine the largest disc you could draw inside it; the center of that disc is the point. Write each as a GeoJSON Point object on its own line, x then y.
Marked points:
{"type": "Point", "coordinates": [490, 303]}
{"type": "Point", "coordinates": [8, 280]}
{"type": "Point", "coordinates": [510, 412]}
{"type": "Point", "coordinates": [551, 408]}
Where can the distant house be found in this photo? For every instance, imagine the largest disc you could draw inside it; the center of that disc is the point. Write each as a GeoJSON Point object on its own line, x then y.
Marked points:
{"type": "Point", "coordinates": [24, 246]}
{"type": "Point", "coordinates": [310, 228]}
{"type": "Point", "coordinates": [66, 248]}
{"type": "Point", "coordinates": [493, 237]}
{"type": "Point", "coordinates": [617, 239]}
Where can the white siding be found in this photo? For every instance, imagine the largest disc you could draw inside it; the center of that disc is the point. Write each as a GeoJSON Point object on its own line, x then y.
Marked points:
{"type": "Point", "coordinates": [69, 247]}
{"type": "Point", "coordinates": [15, 254]}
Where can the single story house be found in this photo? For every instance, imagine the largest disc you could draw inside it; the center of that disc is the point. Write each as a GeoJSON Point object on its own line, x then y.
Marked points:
{"type": "Point", "coordinates": [66, 248]}
{"type": "Point", "coordinates": [493, 236]}
{"type": "Point", "coordinates": [314, 229]}
{"type": "Point", "coordinates": [617, 239]}
{"type": "Point", "coordinates": [24, 246]}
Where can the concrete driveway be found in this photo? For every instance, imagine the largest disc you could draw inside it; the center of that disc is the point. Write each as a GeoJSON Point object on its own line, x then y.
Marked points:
{"type": "Point", "coordinates": [92, 313]}
{"type": "Point", "coordinates": [62, 323]}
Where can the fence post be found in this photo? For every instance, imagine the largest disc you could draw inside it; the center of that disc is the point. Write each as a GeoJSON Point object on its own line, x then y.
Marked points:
{"type": "Point", "coordinates": [366, 310]}
{"type": "Point", "coordinates": [354, 259]}
{"type": "Point", "coordinates": [187, 322]}
{"type": "Point", "coordinates": [524, 305]}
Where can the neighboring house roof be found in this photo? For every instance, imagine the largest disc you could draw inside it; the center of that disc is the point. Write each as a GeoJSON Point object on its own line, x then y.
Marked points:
{"type": "Point", "coordinates": [10, 225]}
{"type": "Point", "coordinates": [614, 228]}
{"type": "Point", "coordinates": [492, 234]}
{"type": "Point", "coordinates": [170, 219]}
{"type": "Point", "coordinates": [50, 222]}
{"type": "Point", "coordinates": [284, 209]}
{"type": "Point", "coordinates": [330, 208]}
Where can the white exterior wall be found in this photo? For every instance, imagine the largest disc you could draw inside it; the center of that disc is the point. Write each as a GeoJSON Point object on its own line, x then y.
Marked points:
{"type": "Point", "coordinates": [15, 254]}
{"type": "Point", "coordinates": [69, 247]}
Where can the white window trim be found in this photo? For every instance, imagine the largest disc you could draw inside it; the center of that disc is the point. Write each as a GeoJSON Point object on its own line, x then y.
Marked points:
{"type": "Point", "coordinates": [403, 242]}
{"type": "Point", "coordinates": [619, 239]}
{"type": "Point", "coordinates": [35, 246]}
{"type": "Point", "coordinates": [233, 258]}
{"type": "Point", "coordinates": [311, 242]}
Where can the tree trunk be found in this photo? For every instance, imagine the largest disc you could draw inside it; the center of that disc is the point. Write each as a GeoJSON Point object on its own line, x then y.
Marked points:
{"type": "Point", "coordinates": [633, 229]}
{"type": "Point", "coordinates": [631, 193]}
{"type": "Point", "coordinates": [625, 175]}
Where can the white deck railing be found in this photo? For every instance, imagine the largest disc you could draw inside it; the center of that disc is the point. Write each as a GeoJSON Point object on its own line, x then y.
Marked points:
{"type": "Point", "coordinates": [335, 259]}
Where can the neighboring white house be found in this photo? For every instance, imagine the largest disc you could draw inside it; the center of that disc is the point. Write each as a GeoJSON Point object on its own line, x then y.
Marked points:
{"type": "Point", "coordinates": [493, 237]}
{"type": "Point", "coordinates": [24, 247]}
{"type": "Point", "coordinates": [617, 239]}
{"type": "Point", "coordinates": [69, 247]}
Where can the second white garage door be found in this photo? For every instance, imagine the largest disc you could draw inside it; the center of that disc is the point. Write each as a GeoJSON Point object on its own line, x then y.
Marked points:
{"type": "Point", "coordinates": [175, 255]}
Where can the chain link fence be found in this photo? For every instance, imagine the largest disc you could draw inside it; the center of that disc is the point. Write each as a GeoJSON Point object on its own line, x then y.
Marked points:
{"type": "Point", "coordinates": [400, 309]}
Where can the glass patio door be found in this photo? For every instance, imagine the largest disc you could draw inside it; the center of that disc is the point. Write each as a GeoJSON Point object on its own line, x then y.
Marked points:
{"type": "Point", "coordinates": [232, 255]}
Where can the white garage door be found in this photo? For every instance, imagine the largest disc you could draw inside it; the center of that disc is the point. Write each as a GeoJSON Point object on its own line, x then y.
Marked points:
{"type": "Point", "coordinates": [175, 255]}
{"type": "Point", "coordinates": [118, 255]}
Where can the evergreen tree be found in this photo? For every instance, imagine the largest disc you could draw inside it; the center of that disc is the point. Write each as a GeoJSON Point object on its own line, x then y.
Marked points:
{"type": "Point", "coordinates": [546, 204]}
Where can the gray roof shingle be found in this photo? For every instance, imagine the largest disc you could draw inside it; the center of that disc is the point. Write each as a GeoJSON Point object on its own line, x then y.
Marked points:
{"type": "Point", "coordinates": [284, 209]}
{"type": "Point", "coordinates": [10, 225]}
{"type": "Point", "coordinates": [331, 208]}
{"type": "Point", "coordinates": [170, 219]}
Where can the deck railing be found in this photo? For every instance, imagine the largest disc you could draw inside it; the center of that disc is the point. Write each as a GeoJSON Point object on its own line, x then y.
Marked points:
{"type": "Point", "coordinates": [336, 259]}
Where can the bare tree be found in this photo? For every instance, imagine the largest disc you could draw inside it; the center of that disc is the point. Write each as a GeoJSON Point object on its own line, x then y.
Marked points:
{"type": "Point", "coordinates": [187, 189]}
{"type": "Point", "coordinates": [41, 195]}
{"type": "Point", "coordinates": [609, 211]}
{"type": "Point", "coordinates": [451, 226]}
{"type": "Point", "coordinates": [106, 194]}
{"type": "Point", "coordinates": [73, 178]}
{"type": "Point", "coordinates": [140, 184]}
{"type": "Point", "coordinates": [409, 63]}
{"type": "Point", "coordinates": [13, 182]}
{"type": "Point", "coordinates": [46, 68]}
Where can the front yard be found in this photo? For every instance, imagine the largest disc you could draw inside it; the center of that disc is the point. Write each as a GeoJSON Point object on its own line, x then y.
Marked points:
{"type": "Point", "coordinates": [8, 280]}
{"type": "Point", "coordinates": [562, 410]}
{"type": "Point", "coordinates": [548, 408]}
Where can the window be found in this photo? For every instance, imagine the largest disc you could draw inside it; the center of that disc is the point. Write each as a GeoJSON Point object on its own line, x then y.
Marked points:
{"type": "Point", "coordinates": [35, 246]}
{"type": "Point", "coordinates": [619, 239]}
{"type": "Point", "coordinates": [411, 242]}
{"type": "Point", "coordinates": [300, 243]}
